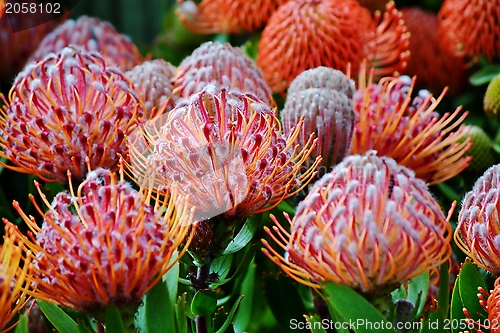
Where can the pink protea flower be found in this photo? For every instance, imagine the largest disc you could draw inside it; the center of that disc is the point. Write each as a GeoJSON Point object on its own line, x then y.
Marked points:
{"type": "Point", "coordinates": [323, 98]}
{"type": "Point", "coordinates": [226, 16]}
{"type": "Point", "coordinates": [154, 80]}
{"type": "Point", "coordinates": [305, 34]}
{"type": "Point", "coordinates": [103, 244]}
{"type": "Point", "coordinates": [223, 66]}
{"type": "Point", "coordinates": [64, 109]}
{"type": "Point", "coordinates": [392, 122]}
{"type": "Point", "coordinates": [369, 224]}
{"type": "Point", "coordinates": [478, 230]}
{"type": "Point", "coordinates": [93, 35]}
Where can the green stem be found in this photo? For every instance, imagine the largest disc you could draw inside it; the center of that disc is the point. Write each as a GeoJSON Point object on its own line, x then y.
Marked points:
{"type": "Point", "coordinates": [202, 274]}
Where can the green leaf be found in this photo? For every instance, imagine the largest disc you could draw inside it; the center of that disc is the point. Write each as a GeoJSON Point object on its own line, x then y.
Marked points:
{"type": "Point", "coordinates": [82, 326]}
{"type": "Point", "coordinates": [181, 314]}
{"type": "Point", "coordinates": [245, 235]}
{"type": "Point", "coordinates": [222, 265]}
{"type": "Point", "coordinates": [435, 323]}
{"type": "Point", "coordinates": [113, 323]}
{"type": "Point", "coordinates": [315, 324]}
{"type": "Point", "coordinates": [244, 315]}
{"type": "Point", "coordinates": [204, 302]}
{"type": "Point", "coordinates": [353, 307]}
{"type": "Point", "coordinates": [456, 309]}
{"type": "Point", "coordinates": [484, 75]}
{"type": "Point", "coordinates": [230, 316]}
{"type": "Point", "coordinates": [22, 325]}
{"type": "Point", "coordinates": [57, 317]}
{"type": "Point", "coordinates": [444, 288]}
{"type": "Point", "coordinates": [470, 280]}
{"type": "Point", "coordinates": [158, 310]}
{"type": "Point", "coordinates": [242, 265]}
{"type": "Point", "coordinates": [418, 288]}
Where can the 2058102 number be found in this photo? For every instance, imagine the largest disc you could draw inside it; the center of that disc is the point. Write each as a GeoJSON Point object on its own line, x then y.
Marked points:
{"type": "Point", "coordinates": [32, 8]}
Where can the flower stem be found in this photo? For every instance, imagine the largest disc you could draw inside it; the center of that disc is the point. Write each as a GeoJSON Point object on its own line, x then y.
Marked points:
{"type": "Point", "coordinates": [201, 283]}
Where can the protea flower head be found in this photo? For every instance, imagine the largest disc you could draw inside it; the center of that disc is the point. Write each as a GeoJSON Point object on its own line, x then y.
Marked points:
{"type": "Point", "coordinates": [470, 28]}
{"type": "Point", "coordinates": [103, 244]}
{"type": "Point", "coordinates": [492, 98]}
{"type": "Point", "coordinates": [434, 67]}
{"type": "Point", "coordinates": [154, 80]}
{"type": "Point", "coordinates": [392, 122]}
{"type": "Point", "coordinates": [14, 278]}
{"type": "Point", "coordinates": [93, 35]}
{"type": "Point", "coordinates": [482, 153]}
{"type": "Point", "coordinates": [64, 109]}
{"type": "Point", "coordinates": [327, 111]}
{"type": "Point", "coordinates": [490, 302]}
{"type": "Point", "coordinates": [226, 16]}
{"type": "Point", "coordinates": [222, 66]}
{"type": "Point", "coordinates": [478, 230]}
{"type": "Point", "coordinates": [304, 34]}
{"type": "Point", "coordinates": [369, 224]}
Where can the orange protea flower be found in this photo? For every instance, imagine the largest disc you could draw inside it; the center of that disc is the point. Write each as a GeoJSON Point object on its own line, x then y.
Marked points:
{"type": "Point", "coordinates": [154, 80]}
{"type": "Point", "coordinates": [103, 244]}
{"type": "Point", "coordinates": [490, 302]}
{"type": "Point", "coordinates": [369, 224]}
{"type": "Point", "coordinates": [470, 28]}
{"type": "Point", "coordinates": [65, 108]}
{"type": "Point", "coordinates": [226, 150]}
{"type": "Point", "coordinates": [226, 16]}
{"type": "Point", "coordinates": [478, 230]}
{"type": "Point", "coordinates": [223, 66]}
{"type": "Point", "coordinates": [14, 278]}
{"type": "Point", "coordinates": [304, 34]}
{"type": "Point", "coordinates": [429, 61]}
{"type": "Point", "coordinates": [408, 129]}
{"type": "Point", "coordinates": [93, 35]}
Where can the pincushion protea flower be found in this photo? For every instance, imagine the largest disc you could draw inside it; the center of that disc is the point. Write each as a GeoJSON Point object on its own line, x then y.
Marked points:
{"type": "Point", "coordinates": [93, 35]}
{"type": "Point", "coordinates": [369, 224]}
{"type": "Point", "coordinates": [478, 230]}
{"type": "Point", "coordinates": [408, 129]}
{"type": "Point", "coordinates": [304, 34]}
{"type": "Point", "coordinates": [490, 302]}
{"type": "Point", "coordinates": [68, 107]}
{"type": "Point", "coordinates": [103, 244]}
{"type": "Point", "coordinates": [226, 16]}
{"type": "Point", "coordinates": [154, 80]}
{"type": "Point", "coordinates": [14, 278]}
{"type": "Point", "coordinates": [223, 66]}
{"type": "Point", "coordinates": [327, 112]}
{"type": "Point", "coordinates": [226, 150]}
{"type": "Point", "coordinates": [492, 98]}
{"type": "Point", "coordinates": [429, 61]}
{"type": "Point", "coordinates": [470, 27]}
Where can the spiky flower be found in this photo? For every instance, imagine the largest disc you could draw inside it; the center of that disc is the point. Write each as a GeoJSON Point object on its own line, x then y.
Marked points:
{"type": "Point", "coordinates": [93, 35]}
{"type": "Point", "coordinates": [478, 230]}
{"type": "Point", "coordinates": [14, 278]}
{"type": "Point", "coordinates": [369, 224]}
{"type": "Point", "coordinates": [492, 98]}
{"type": "Point", "coordinates": [392, 122]}
{"type": "Point", "coordinates": [226, 16]}
{"type": "Point", "coordinates": [68, 107]}
{"type": "Point", "coordinates": [490, 302]}
{"type": "Point", "coordinates": [154, 80]}
{"type": "Point", "coordinates": [223, 66]}
{"type": "Point", "coordinates": [304, 34]}
{"type": "Point", "coordinates": [103, 244]}
{"type": "Point", "coordinates": [429, 61]}
{"type": "Point", "coordinates": [320, 96]}
{"type": "Point", "coordinates": [470, 28]}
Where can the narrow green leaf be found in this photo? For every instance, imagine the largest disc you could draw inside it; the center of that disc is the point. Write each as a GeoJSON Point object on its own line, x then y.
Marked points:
{"type": "Point", "coordinates": [230, 316]}
{"type": "Point", "coordinates": [456, 308]}
{"type": "Point", "coordinates": [22, 325]}
{"type": "Point", "coordinates": [222, 265]}
{"type": "Point", "coordinates": [82, 326]}
{"type": "Point", "coordinates": [181, 314]}
{"type": "Point", "coordinates": [158, 310]}
{"type": "Point", "coordinates": [114, 323]}
{"type": "Point", "coordinates": [244, 315]}
{"type": "Point", "coordinates": [57, 317]}
{"type": "Point", "coordinates": [353, 307]}
{"type": "Point", "coordinates": [436, 323]}
{"type": "Point", "coordinates": [241, 267]}
{"type": "Point", "coordinates": [245, 235]}
{"type": "Point", "coordinates": [484, 75]}
{"type": "Point", "coordinates": [204, 302]}
{"type": "Point", "coordinates": [418, 288]}
{"type": "Point", "coordinates": [315, 324]}
{"type": "Point", "coordinates": [337, 318]}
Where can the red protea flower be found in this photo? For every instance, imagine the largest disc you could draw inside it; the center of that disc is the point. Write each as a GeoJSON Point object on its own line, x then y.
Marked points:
{"type": "Point", "coordinates": [304, 34]}
{"type": "Point", "coordinates": [93, 35]}
{"type": "Point", "coordinates": [64, 109]}
{"type": "Point", "coordinates": [490, 302]}
{"type": "Point", "coordinates": [429, 61]}
{"type": "Point", "coordinates": [103, 244]}
{"type": "Point", "coordinates": [226, 16]}
{"type": "Point", "coordinates": [14, 278]}
{"type": "Point", "coordinates": [154, 80]}
{"type": "Point", "coordinates": [369, 224]}
{"type": "Point", "coordinates": [408, 129]}
{"type": "Point", "coordinates": [478, 230]}
{"type": "Point", "coordinates": [323, 98]}
{"type": "Point", "coordinates": [223, 66]}
{"type": "Point", "coordinates": [470, 28]}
